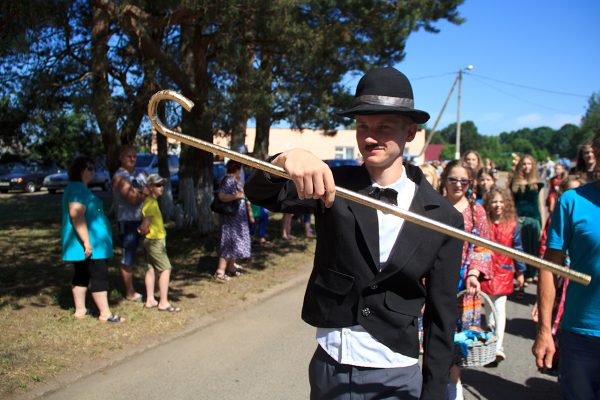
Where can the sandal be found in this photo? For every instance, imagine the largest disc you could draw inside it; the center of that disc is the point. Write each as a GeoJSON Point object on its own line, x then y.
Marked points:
{"type": "Point", "coordinates": [239, 267]}
{"type": "Point", "coordinates": [221, 277]}
{"type": "Point", "coordinates": [232, 273]}
{"type": "Point", "coordinates": [113, 318]}
{"type": "Point", "coordinates": [170, 309]}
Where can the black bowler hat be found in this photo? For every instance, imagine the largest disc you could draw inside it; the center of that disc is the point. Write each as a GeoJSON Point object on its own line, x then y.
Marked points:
{"type": "Point", "coordinates": [385, 91]}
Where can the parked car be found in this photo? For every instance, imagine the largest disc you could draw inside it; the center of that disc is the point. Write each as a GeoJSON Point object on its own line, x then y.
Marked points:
{"type": "Point", "coordinates": [218, 174]}
{"type": "Point", "coordinates": [338, 162]}
{"type": "Point", "coordinates": [23, 177]}
{"type": "Point", "coordinates": [147, 163]}
{"type": "Point", "coordinates": [59, 181]}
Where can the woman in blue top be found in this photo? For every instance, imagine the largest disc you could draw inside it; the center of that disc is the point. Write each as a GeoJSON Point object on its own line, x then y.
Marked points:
{"type": "Point", "coordinates": [86, 238]}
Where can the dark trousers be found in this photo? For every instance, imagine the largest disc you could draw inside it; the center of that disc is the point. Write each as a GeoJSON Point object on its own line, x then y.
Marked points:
{"type": "Point", "coordinates": [334, 381]}
{"type": "Point", "coordinates": [579, 366]}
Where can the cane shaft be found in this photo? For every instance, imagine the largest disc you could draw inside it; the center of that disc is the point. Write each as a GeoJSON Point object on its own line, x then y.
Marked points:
{"type": "Point", "coordinates": [352, 196]}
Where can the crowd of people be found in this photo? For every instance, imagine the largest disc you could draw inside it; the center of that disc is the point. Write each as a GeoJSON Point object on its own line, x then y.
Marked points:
{"type": "Point", "coordinates": [371, 281]}
{"type": "Point", "coordinates": [512, 216]}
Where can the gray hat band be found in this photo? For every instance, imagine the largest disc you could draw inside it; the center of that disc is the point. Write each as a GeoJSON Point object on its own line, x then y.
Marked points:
{"type": "Point", "coordinates": [385, 101]}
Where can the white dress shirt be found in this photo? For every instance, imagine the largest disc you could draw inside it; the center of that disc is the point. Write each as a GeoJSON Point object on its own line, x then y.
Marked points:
{"type": "Point", "coordinates": [353, 345]}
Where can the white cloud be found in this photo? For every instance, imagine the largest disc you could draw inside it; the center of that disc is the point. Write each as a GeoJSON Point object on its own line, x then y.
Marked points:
{"type": "Point", "coordinates": [554, 121]}
{"type": "Point", "coordinates": [558, 120]}
{"type": "Point", "coordinates": [490, 117]}
{"type": "Point", "coordinates": [529, 120]}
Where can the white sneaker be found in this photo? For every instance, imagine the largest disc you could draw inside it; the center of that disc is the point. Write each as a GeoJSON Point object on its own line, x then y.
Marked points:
{"type": "Point", "coordinates": [500, 356]}
{"type": "Point", "coordinates": [454, 391]}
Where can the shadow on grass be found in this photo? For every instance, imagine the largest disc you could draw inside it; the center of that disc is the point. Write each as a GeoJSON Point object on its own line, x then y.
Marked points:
{"type": "Point", "coordinates": [32, 268]}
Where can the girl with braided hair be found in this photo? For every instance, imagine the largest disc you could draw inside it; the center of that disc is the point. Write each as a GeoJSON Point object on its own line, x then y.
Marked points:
{"type": "Point", "coordinates": [457, 187]}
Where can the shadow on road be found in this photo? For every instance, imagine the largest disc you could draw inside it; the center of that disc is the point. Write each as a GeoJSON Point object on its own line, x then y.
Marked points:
{"type": "Point", "coordinates": [480, 384]}
{"type": "Point", "coordinates": [527, 299]}
{"type": "Point", "coordinates": [522, 327]}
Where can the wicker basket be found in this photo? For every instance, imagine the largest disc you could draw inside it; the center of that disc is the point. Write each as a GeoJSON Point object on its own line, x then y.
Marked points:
{"type": "Point", "coordinates": [479, 353]}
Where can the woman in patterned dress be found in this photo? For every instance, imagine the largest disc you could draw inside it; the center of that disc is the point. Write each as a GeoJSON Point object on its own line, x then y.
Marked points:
{"type": "Point", "coordinates": [457, 187]}
{"type": "Point", "coordinates": [235, 234]}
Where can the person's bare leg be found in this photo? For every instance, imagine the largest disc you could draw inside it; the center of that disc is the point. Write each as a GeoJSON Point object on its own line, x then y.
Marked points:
{"type": "Point", "coordinates": [79, 300]}
{"type": "Point", "coordinates": [150, 280]}
{"type": "Point", "coordinates": [286, 226]}
{"type": "Point", "coordinates": [221, 267]}
{"type": "Point", "coordinates": [127, 275]}
{"type": "Point", "coordinates": [454, 374]}
{"type": "Point", "coordinates": [163, 287]}
{"type": "Point", "coordinates": [101, 301]}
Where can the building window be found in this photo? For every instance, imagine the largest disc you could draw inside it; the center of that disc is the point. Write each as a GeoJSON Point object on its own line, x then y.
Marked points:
{"type": "Point", "coordinates": [342, 152]}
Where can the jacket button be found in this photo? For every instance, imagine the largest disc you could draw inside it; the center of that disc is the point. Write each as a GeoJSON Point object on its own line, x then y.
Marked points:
{"type": "Point", "coordinates": [366, 312]}
{"type": "Point", "coordinates": [374, 286]}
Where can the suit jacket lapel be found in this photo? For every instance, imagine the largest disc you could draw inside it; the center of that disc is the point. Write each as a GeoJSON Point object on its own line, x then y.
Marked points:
{"type": "Point", "coordinates": [366, 217]}
{"type": "Point", "coordinates": [411, 235]}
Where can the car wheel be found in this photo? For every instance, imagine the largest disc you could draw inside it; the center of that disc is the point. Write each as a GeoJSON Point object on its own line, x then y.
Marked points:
{"type": "Point", "coordinates": [30, 187]}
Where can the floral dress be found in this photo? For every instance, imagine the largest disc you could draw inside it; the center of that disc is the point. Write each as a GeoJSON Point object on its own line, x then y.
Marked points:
{"type": "Point", "coordinates": [473, 257]}
{"type": "Point", "coordinates": [235, 234]}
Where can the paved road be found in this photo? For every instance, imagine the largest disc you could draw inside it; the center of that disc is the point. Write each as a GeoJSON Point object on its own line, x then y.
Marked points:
{"type": "Point", "coordinates": [516, 378]}
{"type": "Point", "coordinates": [263, 352]}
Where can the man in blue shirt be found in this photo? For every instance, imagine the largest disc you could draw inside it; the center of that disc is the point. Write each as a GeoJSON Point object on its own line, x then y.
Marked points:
{"type": "Point", "coordinates": [574, 231]}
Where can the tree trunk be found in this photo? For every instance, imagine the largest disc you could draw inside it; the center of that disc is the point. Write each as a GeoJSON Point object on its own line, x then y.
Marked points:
{"type": "Point", "coordinates": [195, 183]}
{"type": "Point", "coordinates": [261, 141]}
{"type": "Point", "coordinates": [264, 113]}
{"type": "Point", "coordinates": [166, 200]}
{"type": "Point", "coordinates": [242, 97]}
{"type": "Point", "coordinates": [101, 95]}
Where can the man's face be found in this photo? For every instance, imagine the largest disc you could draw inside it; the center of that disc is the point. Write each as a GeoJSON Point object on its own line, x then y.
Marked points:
{"type": "Point", "coordinates": [128, 159]}
{"type": "Point", "coordinates": [381, 138]}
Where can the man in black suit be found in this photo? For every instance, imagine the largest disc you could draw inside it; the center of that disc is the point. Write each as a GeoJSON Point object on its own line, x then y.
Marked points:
{"type": "Point", "coordinates": [372, 271]}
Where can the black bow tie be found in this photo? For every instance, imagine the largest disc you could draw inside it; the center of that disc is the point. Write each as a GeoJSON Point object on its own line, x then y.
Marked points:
{"type": "Point", "coordinates": [386, 195]}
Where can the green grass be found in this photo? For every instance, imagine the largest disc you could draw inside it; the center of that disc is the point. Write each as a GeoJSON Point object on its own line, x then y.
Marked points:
{"type": "Point", "coordinates": [41, 339]}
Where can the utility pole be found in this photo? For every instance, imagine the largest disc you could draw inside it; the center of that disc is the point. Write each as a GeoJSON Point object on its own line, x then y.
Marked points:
{"type": "Point", "coordinates": [469, 68]}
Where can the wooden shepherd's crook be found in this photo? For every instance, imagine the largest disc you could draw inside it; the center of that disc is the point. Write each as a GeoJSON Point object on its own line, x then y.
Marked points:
{"type": "Point", "coordinates": [349, 195]}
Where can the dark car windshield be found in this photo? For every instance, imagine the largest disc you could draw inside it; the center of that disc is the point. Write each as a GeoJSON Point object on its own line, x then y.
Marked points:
{"type": "Point", "coordinates": [143, 161]}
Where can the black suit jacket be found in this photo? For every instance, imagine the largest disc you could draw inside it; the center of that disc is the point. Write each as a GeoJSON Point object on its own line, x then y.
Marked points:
{"type": "Point", "coordinates": [346, 287]}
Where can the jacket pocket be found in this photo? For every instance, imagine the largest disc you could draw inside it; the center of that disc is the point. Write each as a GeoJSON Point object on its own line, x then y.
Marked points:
{"type": "Point", "coordinates": [403, 306]}
{"type": "Point", "coordinates": [334, 281]}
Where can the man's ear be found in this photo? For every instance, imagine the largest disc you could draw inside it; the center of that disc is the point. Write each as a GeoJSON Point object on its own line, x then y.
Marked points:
{"type": "Point", "coordinates": [411, 132]}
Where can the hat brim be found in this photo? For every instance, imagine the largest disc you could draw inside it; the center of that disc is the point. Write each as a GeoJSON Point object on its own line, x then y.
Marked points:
{"type": "Point", "coordinates": [418, 116]}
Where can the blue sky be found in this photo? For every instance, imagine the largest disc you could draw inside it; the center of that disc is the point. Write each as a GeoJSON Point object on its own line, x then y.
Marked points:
{"type": "Point", "coordinates": [546, 44]}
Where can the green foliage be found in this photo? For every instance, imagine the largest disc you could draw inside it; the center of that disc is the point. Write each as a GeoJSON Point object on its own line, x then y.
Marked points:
{"type": "Point", "coordinates": [590, 123]}
{"type": "Point", "coordinates": [540, 142]}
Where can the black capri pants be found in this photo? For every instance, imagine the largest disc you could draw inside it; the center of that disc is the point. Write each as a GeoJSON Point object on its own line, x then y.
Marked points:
{"type": "Point", "coordinates": [92, 273]}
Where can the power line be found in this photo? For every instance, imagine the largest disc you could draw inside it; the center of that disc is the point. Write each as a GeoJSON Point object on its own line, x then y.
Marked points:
{"type": "Point", "coordinates": [527, 87]}
{"type": "Point", "coordinates": [432, 76]}
{"type": "Point", "coordinates": [517, 97]}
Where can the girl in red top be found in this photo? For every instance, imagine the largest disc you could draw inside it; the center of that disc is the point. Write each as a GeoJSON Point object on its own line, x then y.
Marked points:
{"type": "Point", "coordinates": [504, 230]}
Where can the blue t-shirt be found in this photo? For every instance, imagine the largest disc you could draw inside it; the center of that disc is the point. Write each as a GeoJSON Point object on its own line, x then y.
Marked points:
{"type": "Point", "coordinates": [575, 228]}
{"type": "Point", "coordinates": [98, 225]}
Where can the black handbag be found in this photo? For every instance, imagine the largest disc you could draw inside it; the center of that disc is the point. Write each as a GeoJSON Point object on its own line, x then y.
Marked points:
{"type": "Point", "coordinates": [224, 208]}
